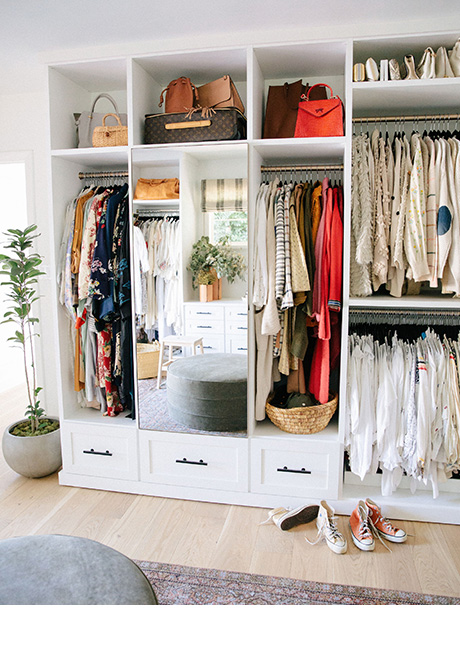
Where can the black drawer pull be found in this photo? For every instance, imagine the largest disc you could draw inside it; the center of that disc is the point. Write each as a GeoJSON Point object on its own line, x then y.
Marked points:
{"type": "Point", "coordinates": [91, 451]}
{"type": "Point", "coordinates": [186, 462]}
{"type": "Point", "coordinates": [204, 313]}
{"type": "Point", "coordinates": [242, 328]}
{"type": "Point", "coordinates": [285, 469]}
{"type": "Point", "coordinates": [242, 349]}
{"type": "Point", "coordinates": [204, 326]}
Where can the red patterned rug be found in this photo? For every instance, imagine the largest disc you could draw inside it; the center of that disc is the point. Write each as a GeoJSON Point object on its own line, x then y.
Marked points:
{"type": "Point", "coordinates": [187, 585]}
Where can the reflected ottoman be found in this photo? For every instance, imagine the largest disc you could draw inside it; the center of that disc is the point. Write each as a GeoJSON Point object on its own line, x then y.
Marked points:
{"type": "Point", "coordinates": [209, 392]}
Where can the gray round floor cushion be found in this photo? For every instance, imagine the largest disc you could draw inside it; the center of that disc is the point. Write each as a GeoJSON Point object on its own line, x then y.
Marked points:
{"type": "Point", "coordinates": [60, 569]}
{"type": "Point", "coordinates": [209, 391]}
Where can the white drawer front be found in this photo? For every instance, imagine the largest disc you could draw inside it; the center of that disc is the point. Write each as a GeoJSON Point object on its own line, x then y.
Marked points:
{"type": "Point", "coordinates": [236, 344]}
{"type": "Point", "coordinates": [105, 452]}
{"type": "Point", "coordinates": [202, 328]}
{"type": "Point", "coordinates": [214, 343]}
{"type": "Point", "coordinates": [197, 461]}
{"type": "Point", "coordinates": [204, 312]}
{"type": "Point", "coordinates": [236, 313]}
{"type": "Point", "coordinates": [236, 328]}
{"type": "Point", "coordinates": [309, 472]}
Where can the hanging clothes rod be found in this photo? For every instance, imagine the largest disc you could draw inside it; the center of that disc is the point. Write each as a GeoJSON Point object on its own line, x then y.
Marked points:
{"type": "Point", "coordinates": [294, 167]}
{"type": "Point", "coordinates": [156, 212]}
{"type": "Point", "coordinates": [410, 316]}
{"type": "Point", "coordinates": [404, 118]}
{"type": "Point", "coordinates": [91, 175]}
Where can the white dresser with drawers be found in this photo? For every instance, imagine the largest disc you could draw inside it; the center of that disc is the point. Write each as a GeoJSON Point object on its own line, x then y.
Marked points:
{"type": "Point", "coordinates": [223, 324]}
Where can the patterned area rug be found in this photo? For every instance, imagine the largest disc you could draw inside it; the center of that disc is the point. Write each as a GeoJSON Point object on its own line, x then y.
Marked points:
{"type": "Point", "coordinates": [186, 585]}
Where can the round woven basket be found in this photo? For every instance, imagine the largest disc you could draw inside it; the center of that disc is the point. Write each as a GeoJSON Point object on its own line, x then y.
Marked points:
{"type": "Point", "coordinates": [302, 420]}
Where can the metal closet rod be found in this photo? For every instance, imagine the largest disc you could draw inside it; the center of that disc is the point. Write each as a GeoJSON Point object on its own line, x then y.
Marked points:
{"type": "Point", "coordinates": [417, 311]}
{"type": "Point", "coordinates": [294, 167]}
{"type": "Point", "coordinates": [406, 118]}
{"type": "Point", "coordinates": [101, 174]}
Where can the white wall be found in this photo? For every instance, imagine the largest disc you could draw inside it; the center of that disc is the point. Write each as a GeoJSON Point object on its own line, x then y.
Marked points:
{"type": "Point", "coordinates": [23, 117]}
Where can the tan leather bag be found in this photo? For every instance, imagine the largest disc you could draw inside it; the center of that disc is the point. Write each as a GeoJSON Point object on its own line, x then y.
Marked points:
{"type": "Point", "coordinates": [152, 189]}
{"type": "Point", "coordinates": [181, 95]}
{"type": "Point", "coordinates": [220, 93]}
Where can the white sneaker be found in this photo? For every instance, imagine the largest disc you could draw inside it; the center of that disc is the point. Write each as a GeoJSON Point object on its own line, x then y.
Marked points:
{"type": "Point", "coordinates": [327, 530]}
{"type": "Point", "coordinates": [286, 519]}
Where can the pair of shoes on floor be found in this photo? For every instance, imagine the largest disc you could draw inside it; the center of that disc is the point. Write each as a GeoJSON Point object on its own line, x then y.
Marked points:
{"type": "Point", "coordinates": [367, 521]}
{"type": "Point", "coordinates": [325, 521]}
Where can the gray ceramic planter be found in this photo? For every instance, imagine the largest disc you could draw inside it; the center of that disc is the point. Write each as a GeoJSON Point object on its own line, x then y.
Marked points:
{"type": "Point", "coordinates": [32, 456]}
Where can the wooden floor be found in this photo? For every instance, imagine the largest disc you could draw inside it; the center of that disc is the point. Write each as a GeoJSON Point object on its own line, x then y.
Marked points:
{"type": "Point", "coordinates": [218, 536]}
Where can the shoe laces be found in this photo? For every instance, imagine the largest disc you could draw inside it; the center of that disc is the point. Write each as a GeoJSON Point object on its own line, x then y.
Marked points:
{"type": "Point", "coordinates": [271, 514]}
{"type": "Point", "coordinates": [328, 528]}
{"type": "Point", "coordinates": [376, 533]}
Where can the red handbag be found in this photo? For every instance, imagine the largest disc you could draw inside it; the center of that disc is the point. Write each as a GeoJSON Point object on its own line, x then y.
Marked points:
{"type": "Point", "coordinates": [321, 118]}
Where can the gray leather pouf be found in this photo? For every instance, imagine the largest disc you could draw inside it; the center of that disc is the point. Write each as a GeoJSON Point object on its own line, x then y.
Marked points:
{"type": "Point", "coordinates": [209, 392]}
{"type": "Point", "coordinates": [60, 569]}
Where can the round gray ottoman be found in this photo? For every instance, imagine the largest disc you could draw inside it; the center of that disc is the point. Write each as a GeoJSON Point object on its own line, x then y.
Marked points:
{"type": "Point", "coordinates": [209, 392]}
{"type": "Point", "coordinates": [59, 569]}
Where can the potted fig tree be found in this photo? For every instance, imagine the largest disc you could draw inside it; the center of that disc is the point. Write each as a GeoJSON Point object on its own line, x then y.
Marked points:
{"type": "Point", "coordinates": [32, 446]}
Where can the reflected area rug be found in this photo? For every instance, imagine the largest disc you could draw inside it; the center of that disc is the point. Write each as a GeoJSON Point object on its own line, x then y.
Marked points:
{"type": "Point", "coordinates": [183, 585]}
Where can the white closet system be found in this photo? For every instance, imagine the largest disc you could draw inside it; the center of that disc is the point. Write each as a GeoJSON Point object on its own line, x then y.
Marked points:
{"type": "Point", "coordinates": [268, 467]}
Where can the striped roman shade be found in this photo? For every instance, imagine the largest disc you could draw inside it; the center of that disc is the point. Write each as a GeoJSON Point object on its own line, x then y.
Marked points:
{"type": "Point", "coordinates": [224, 195]}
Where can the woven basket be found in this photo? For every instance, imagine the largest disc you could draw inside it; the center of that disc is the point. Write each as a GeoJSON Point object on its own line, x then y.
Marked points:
{"type": "Point", "coordinates": [302, 420]}
{"type": "Point", "coordinates": [147, 361]}
{"type": "Point", "coordinates": [110, 135]}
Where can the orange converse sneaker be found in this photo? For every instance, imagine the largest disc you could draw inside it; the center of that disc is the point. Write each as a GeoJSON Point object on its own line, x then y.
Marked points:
{"type": "Point", "coordinates": [361, 532]}
{"type": "Point", "coordinates": [383, 526]}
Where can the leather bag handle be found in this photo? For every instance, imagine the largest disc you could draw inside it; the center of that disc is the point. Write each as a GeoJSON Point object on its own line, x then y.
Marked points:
{"type": "Point", "coordinates": [324, 85]}
{"type": "Point", "coordinates": [103, 96]}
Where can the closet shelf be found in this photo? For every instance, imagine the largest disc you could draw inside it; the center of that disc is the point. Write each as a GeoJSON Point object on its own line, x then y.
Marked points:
{"type": "Point", "coordinates": [422, 96]}
{"type": "Point", "coordinates": [94, 157]}
{"type": "Point", "coordinates": [414, 301]}
{"type": "Point", "coordinates": [157, 203]}
{"type": "Point", "coordinates": [322, 150]}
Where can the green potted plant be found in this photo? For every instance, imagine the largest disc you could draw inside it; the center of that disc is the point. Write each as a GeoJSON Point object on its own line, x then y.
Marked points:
{"type": "Point", "coordinates": [209, 263]}
{"type": "Point", "coordinates": [32, 446]}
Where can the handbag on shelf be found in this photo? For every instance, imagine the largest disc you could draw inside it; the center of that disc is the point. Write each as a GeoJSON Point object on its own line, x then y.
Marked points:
{"type": "Point", "coordinates": [218, 125]}
{"type": "Point", "coordinates": [319, 118]}
{"type": "Point", "coordinates": [181, 95]}
{"type": "Point", "coordinates": [86, 122]}
{"type": "Point", "coordinates": [221, 93]}
{"type": "Point", "coordinates": [282, 106]}
{"type": "Point", "coordinates": [157, 189]}
{"type": "Point", "coordinates": [110, 135]}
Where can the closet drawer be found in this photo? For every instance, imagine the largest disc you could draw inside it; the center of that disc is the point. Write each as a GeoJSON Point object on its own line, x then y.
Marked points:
{"type": "Point", "coordinates": [236, 327]}
{"type": "Point", "coordinates": [236, 344]}
{"type": "Point", "coordinates": [197, 461]}
{"type": "Point", "coordinates": [294, 468]}
{"type": "Point", "coordinates": [214, 343]}
{"type": "Point", "coordinates": [204, 327]}
{"type": "Point", "coordinates": [203, 312]}
{"type": "Point", "coordinates": [237, 313]}
{"type": "Point", "coordinates": [100, 451]}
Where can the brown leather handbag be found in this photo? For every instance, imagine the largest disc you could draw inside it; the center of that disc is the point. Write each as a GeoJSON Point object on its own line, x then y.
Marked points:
{"type": "Point", "coordinates": [220, 93]}
{"type": "Point", "coordinates": [157, 189]}
{"type": "Point", "coordinates": [282, 106]}
{"type": "Point", "coordinates": [181, 95]}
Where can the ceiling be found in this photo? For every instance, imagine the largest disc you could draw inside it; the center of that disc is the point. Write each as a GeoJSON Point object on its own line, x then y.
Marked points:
{"type": "Point", "coordinates": [33, 32]}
